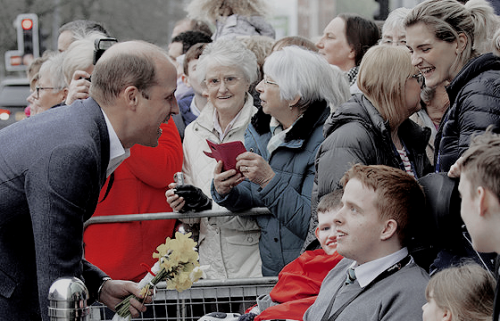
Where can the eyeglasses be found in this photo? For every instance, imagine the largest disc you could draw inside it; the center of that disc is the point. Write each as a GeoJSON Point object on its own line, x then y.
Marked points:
{"type": "Point", "coordinates": [37, 90]}
{"type": "Point", "coordinates": [267, 82]}
{"type": "Point", "coordinates": [216, 82]}
{"type": "Point", "coordinates": [420, 79]}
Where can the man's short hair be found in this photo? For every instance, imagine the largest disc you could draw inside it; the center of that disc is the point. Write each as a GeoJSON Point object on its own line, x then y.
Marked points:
{"type": "Point", "coordinates": [481, 162]}
{"type": "Point", "coordinates": [190, 38]}
{"type": "Point", "coordinates": [134, 68]}
{"type": "Point", "coordinates": [192, 54]}
{"type": "Point", "coordinates": [330, 201]}
{"type": "Point", "coordinates": [399, 196]}
{"type": "Point", "coordinates": [81, 28]}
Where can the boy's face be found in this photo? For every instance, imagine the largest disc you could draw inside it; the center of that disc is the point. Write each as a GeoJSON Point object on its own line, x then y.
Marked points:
{"type": "Point", "coordinates": [192, 77]}
{"type": "Point", "coordinates": [325, 232]}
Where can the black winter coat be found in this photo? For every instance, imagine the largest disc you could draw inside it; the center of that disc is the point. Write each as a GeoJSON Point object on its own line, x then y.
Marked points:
{"type": "Point", "coordinates": [357, 133]}
{"type": "Point", "coordinates": [474, 105]}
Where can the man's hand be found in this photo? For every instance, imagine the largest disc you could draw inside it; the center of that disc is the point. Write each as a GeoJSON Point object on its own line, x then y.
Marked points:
{"type": "Point", "coordinates": [79, 87]}
{"type": "Point", "coordinates": [114, 291]}
{"type": "Point", "coordinates": [456, 168]}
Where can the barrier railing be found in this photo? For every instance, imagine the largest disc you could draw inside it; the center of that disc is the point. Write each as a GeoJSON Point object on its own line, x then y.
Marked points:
{"type": "Point", "coordinates": [221, 295]}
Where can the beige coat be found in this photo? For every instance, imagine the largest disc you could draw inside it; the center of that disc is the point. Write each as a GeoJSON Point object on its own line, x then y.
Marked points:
{"type": "Point", "coordinates": [230, 245]}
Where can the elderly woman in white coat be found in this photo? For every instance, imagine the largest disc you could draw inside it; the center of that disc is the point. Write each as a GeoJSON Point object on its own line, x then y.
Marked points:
{"type": "Point", "coordinates": [228, 244]}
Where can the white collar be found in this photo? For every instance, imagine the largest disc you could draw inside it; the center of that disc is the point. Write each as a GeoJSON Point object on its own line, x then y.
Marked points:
{"type": "Point", "coordinates": [369, 271]}
{"type": "Point", "coordinates": [117, 154]}
{"type": "Point", "coordinates": [194, 109]}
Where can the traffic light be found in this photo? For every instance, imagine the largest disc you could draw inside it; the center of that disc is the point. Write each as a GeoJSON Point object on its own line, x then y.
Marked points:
{"type": "Point", "coordinates": [27, 34]}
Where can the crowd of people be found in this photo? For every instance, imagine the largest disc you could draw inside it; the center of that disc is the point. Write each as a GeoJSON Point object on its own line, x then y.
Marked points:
{"type": "Point", "coordinates": [358, 143]}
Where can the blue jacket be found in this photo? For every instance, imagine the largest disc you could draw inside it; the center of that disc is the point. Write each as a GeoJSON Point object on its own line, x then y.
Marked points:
{"type": "Point", "coordinates": [52, 168]}
{"type": "Point", "coordinates": [474, 105]}
{"type": "Point", "coordinates": [288, 194]}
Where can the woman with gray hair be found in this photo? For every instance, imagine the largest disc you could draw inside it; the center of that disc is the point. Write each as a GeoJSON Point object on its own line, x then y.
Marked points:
{"type": "Point", "coordinates": [283, 138]}
{"type": "Point", "coordinates": [51, 87]}
{"type": "Point", "coordinates": [228, 244]}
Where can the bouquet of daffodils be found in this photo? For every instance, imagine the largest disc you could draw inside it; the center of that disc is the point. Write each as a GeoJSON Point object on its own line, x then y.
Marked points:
{"type": "Point", "coordinates": [177, 265]}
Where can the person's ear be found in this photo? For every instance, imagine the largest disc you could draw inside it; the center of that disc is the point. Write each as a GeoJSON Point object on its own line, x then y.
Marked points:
{"type": "Point", "coordinates": [389, 230]}
{"type": "Point", "coordinates": [185, 80]}
{"type": "Point", "coordinates": [131, 96]}
{"type": "Point", "coordinates": [294, 101]}
{"type": "Point", "coordinates": [64, 92]}
{"type": "Point", "coordinates": [461, 43]}
{"type": "Point", "coordinates": [316, 232]}
{"type": "Point", "coordinates": [352, 54]}
{"type": "Point", "coordinates": [446, 315]}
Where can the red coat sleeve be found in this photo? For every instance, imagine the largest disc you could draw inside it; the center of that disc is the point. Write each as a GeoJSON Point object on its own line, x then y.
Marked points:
{"type": "Point", "coordinates": [298, 285]}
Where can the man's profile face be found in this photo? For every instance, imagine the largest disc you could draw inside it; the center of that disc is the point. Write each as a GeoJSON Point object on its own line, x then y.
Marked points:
{"type": "Point", "coordinates": [469, 210]}
{"type": "Point", "coordinates": [158, 104]}
{"type": "Point", "coordinates": [359, 226]}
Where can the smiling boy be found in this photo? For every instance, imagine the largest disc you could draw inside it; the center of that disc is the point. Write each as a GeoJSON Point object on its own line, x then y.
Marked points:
{"type": "Point", "coordinates": [299, 282]}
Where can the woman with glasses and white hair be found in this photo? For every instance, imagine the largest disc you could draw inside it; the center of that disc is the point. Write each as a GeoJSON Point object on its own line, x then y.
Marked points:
{"type": "Point", "coordinates": [51, 88]}
{"type": "Point", "coordinates": [373, 128]}
{"type": "Point", "coordinates": [228, 244]}
{"type": "Point", "coordinates": [277, 171]}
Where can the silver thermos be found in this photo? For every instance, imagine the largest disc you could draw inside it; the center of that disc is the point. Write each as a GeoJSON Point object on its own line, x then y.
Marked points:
{"type": "Point", "coordinates": [68, 300]}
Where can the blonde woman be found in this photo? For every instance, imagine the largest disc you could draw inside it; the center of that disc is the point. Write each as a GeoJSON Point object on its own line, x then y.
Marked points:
{"type": "Point", "coordinates": [442, 36]}
{"type": "Point", "coordinates": [373, 128]}
{"type": "Point", "coordinates": [460, 293]}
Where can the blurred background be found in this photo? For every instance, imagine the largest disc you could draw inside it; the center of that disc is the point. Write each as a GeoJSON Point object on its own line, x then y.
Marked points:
{"type": "Point", "coordinates": [153, 20]}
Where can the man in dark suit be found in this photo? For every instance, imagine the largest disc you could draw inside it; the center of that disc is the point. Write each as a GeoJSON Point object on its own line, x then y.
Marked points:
{"type": "Point", "coordinates": [53, 165]}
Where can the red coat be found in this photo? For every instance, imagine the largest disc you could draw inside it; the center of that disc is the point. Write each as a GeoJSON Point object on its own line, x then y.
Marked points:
{"type": "Point", "coordinates": [298, 285]}
{"type": "Point", "coordinates": [139, 186]}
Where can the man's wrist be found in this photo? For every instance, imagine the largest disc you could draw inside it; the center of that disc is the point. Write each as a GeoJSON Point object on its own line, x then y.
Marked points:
{"type": "Point", "coordinates": [104, 280]}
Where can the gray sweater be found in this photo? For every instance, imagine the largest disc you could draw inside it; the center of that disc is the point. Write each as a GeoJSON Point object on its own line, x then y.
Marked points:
{"type": "Point", "coordinates": [399, 296]}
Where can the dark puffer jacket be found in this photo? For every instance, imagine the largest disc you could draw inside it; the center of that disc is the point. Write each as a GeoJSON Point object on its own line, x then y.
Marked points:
{"type": "Point", "coordinates": [474, 105]}
{"type": "Point", "coordinates": [357, 133]}
{"type": "Point", "coordinates": [288, 194]}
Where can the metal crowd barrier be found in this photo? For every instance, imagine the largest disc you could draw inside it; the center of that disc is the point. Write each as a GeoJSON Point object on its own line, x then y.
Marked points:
{"type": "Point", "coordinates": [224, 295]}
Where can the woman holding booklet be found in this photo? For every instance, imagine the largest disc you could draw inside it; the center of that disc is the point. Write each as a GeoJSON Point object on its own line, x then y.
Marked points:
{"type": "Point", "coordinates": [282, 141]}
{"type": "Point", "coordinates": [229, 245]}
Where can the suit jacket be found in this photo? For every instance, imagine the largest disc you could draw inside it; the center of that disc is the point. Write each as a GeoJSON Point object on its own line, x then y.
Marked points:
{"type": "Point", "coordinates": [52, 167]}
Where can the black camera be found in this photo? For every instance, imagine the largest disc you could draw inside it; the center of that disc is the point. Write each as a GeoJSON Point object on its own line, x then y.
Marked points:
{"type": "Point", "coordinates": [101, 45]}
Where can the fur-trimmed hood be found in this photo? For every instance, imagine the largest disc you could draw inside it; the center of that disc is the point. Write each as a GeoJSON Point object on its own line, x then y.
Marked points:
{"type": "Point", "coordinates": [316, 113]}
